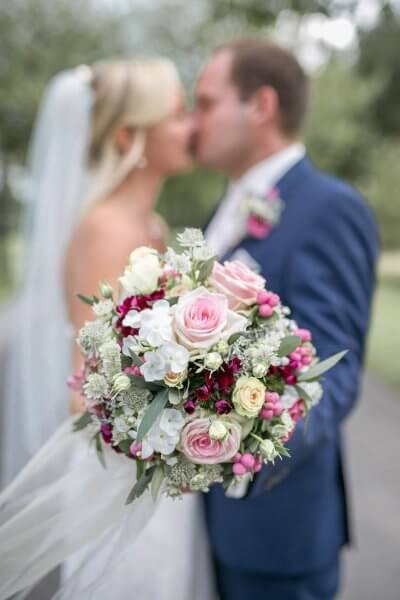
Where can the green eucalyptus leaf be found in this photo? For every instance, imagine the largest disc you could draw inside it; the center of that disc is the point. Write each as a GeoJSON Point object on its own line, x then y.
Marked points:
{"type": "Point", "coordinates": [303, 394]}
{"type": "Point", "coordinates": [206, 268]}
{"type": "Point", "coordinates": [152, 413]}
{"type": "Point", "coordinates": [99, 450]}
{"type": "Point", "coordinates": [321, 367]}
{"type": "Point", "coordinates": [87, 299]}
{"type": "Point", "coordinates": [158, 478]}
{"type": "Point", "coordinates": [140, 486]}
{"type": "Point", "coordinates": [289, 344]}
{"type": "Point", "coordinates": [82, 422]}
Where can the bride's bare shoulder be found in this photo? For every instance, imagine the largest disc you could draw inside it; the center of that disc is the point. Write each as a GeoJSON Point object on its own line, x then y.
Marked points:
{"type": "Point", "coordinates": [106, 228]}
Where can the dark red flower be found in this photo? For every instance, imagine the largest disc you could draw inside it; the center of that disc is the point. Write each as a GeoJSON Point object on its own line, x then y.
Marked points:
{"type": "Point", "coordinates": [202, 393]}
{"type": "Point", "coordinates": [223, 407]}
{"type": "Point", "coordinates": [189, 406]}
{"type": "Point", "coordinates": [106, 432]}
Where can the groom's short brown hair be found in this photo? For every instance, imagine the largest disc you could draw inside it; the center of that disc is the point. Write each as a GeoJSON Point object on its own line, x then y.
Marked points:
{"type": "Point", "coordinates": [258, 62]}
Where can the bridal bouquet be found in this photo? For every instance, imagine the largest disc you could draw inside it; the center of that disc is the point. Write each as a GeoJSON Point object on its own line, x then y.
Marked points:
{"type": "Point", "coordinates": [197, 373]}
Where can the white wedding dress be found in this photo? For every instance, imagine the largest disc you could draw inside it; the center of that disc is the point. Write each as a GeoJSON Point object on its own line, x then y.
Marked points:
{"type": "Point", "coordinates": [41, 524]}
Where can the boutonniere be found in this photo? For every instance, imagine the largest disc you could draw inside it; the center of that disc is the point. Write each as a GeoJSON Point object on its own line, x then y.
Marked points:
{"type": "Point", "coordinates": [262, 212]}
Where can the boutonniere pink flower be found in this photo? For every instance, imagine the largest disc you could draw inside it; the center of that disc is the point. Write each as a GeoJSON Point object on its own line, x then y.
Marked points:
{"type": "Point", "coordinates": [262, 212]}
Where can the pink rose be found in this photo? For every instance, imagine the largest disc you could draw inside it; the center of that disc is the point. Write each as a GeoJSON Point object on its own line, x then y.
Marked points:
{"type": "Point", "coordinates": [200, 449]}
{"type": "Point", "coordinates": [203, 318]}
{"type": "Point", "coordinates": [239, 284]}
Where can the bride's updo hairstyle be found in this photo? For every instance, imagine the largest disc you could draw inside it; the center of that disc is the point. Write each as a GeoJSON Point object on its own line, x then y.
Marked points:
{"type": "Point", "coordinates": [129, 93]}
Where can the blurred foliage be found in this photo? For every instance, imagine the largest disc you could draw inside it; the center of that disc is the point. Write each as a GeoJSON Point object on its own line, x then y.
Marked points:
{"type": "Point", "coordinates": [354, 122]}
{"type": "Point", "coordinates": [379, 55]}
{"type": "Point", "coordinates": [37, 39]}
{"type": "Point", "coordinates": [337, 133]}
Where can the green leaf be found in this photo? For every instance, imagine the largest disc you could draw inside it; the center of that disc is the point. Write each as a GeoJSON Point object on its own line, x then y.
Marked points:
{"type": "Point", "coordinates": [303, 394]}
{"type": "Point", "coordinates": [289, 344]}
{"type": "Point", "coordinates": [158, 478]}
{"type": "Point", "coordinates": [234, 337]}
{"type": "Point", "coordinates": [155, 408]}
{"type": "Point", "coordinates": [82, 422]}
{"type": "Point", "coordinates": [321, 367]}
{"type": "Point", "coordinates": [206, 268]}
{"type": "Point", "coordinates": [124, 445]}
{"type": "Point", "coordinates": [99, 450]}
{"type": "Point", "coordinates": [135, 359]}
{"type": "Point", "coordinates": [87, 299]}
{"type": "Point", "coordinates": [140, 486]}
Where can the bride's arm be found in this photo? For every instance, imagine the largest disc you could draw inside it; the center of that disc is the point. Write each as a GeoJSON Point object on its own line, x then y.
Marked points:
{"type": "Point", "coordinates": [97, 252]}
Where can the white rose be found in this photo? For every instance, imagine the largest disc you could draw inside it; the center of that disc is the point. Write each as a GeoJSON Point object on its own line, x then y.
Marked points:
{"type": "Point", "coordinates": [267, 450]}
{"type": "Point", "coordinates": [217, 430]}
{"type": "Point", "coordinates": [213, 361]}
{"type": "Point", "coordinates": [121, 383]}
{"type": "Point", "coordinates": [143, 272]}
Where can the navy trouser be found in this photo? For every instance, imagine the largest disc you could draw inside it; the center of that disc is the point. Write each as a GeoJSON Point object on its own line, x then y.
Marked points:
{"type": "Point", "coordinates": [236, 584]}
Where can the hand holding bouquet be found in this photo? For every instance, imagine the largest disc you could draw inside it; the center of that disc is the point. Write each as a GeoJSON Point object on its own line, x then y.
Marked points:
{"type": "Point", "coordinates": [197, 374]}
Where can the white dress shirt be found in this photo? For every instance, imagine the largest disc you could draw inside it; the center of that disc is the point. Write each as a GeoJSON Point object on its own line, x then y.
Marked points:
{"type": "Point", "coordinates": [228, 224]}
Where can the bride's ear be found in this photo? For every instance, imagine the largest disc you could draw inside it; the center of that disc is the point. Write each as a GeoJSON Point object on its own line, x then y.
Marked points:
{"type": "Point", "coordinates": [123, 138]}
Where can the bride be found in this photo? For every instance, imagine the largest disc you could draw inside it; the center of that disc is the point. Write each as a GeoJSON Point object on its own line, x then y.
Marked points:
{"type": "Point", "coordinates": [127, 121]}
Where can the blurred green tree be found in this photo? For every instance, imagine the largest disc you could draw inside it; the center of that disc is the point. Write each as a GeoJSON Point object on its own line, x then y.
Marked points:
{"type": "Point", "coordinates": [37, 39]}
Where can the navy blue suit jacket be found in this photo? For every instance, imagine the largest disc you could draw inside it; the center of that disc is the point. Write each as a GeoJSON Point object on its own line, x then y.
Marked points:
{"type": "Point", "coordinates": [321, 260]}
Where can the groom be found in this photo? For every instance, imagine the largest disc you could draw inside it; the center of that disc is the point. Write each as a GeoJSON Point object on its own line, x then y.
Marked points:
{"type": "Point", "coordinates": [282, 541]}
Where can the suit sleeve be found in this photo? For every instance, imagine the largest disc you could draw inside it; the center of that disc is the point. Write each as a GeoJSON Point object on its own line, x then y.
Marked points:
{"type": "Point", "coordinates": [329, 287]}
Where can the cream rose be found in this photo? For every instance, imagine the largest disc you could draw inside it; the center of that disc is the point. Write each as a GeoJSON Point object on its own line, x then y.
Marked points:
{"type": "Point", "coordinates": [202, 318]}
{"type": "Point", "coordinates": [143, 272]}
{"type": "Point", "coordinates": [248, 396]}
{"type": "Point", "coordinates": [239, 284]}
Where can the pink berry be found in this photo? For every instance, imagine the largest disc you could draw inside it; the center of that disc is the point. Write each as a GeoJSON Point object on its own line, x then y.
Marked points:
{"type": "Point", "coordinates": [265, 310]}
{"type": "Point", "coordinates": [278, 409]}
{"type": "Point", "coordinates": [304, 334]}
{"type": "Point", "coordinates": [248, 461]}
{"type": "Point", "coordinates": [266, 413]}
{"type": "Point", "coordinates": [258, 465]}
{"type": "Point", "coordinates": [272, 397]}
{"type": "Point", "coordinates": [239, 469]}
{"type": "Point", "coordinates": [263, 297]}
{"type": "Point", "coordinates": [306, 360]}
{"type": "Point", "coordinates": [274, 300]}
{"type": "Point", "coordinates": [295, 356]}
{"type": "Point", "coordinates": [237, 457]}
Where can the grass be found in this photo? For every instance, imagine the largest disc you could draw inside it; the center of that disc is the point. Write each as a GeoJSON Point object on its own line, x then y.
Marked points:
{"type": "Point", "coordinates": [382, 358]}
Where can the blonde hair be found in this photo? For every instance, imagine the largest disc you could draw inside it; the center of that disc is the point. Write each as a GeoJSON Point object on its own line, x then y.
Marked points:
{"type": "Point", "coordinates": [134, 93]}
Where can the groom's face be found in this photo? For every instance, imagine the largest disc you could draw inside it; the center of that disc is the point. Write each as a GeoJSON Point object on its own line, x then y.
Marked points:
{"type": "Point", "coordinates": [222, 134]}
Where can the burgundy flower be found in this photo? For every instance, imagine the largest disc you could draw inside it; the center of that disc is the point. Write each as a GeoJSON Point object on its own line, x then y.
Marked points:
{"type": "Point", "coordinates": [203, 393]}
{"type": "Point", "coordinates": [234, 365]}
{"type": "Point", "coordinates": [223, 407]}
{"type": "Point", "coordinates": [225, 380]}
{"type": "Point", "coordinates": [106, 432]}
{"type": "Point", "coordinates": [189, 406]}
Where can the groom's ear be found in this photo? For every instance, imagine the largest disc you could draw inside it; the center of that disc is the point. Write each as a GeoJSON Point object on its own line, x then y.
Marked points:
{"type": "Point", "coordinates": [265, 106]}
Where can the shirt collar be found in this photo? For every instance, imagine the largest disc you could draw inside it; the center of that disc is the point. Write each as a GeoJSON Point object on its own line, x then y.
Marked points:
{"type": "Point", "coordinates": [267, 173]}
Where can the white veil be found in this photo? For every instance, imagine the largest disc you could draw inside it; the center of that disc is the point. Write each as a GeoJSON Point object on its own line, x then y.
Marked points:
{"type": "Point", "coordinates": [34, 404]}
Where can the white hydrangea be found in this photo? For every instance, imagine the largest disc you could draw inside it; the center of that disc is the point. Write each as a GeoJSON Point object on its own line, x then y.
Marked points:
{"type": "Point", "coordinates": [202, 253]}
{"type": "Point", "coordinates": [164, 434]}
{"type": "Point", "coordinates": [154, 324]}
{"type": "Point", "coordinates": [93, 335]}
{"type": "Point", "coordinates": [169, 358]}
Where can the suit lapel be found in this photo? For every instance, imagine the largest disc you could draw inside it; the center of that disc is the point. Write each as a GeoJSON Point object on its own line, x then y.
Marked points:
{"type": "Point", "coordinates": [285, 185]}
